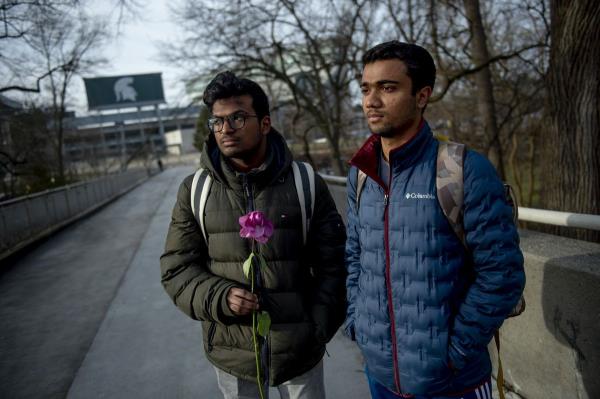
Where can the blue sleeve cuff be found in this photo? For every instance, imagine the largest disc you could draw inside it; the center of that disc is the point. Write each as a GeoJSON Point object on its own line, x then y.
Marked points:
{"type": "Point", "coordinates": [457, 358]}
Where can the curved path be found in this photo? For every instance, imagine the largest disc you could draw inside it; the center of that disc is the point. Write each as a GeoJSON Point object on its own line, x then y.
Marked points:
{"type": "Point", "coordinates": [83, 314]}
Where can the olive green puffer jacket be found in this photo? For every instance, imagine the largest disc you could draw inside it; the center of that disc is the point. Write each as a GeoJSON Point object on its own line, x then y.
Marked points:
{"type": "Point", "coordinates": [304, 285]}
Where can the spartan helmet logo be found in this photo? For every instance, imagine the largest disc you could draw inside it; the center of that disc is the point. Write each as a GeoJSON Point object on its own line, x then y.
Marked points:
{"type": "Point", "coordinates": [124, 90]}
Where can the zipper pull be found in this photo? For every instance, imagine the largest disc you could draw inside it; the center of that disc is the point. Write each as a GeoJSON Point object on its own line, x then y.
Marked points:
{"type": "Point", "coordinates": [385, 199]}
{"type": "Point", "coordinates": [248, 194]}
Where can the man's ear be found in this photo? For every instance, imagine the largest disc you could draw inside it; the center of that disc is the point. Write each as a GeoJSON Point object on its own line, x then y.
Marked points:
{"type": "Point", "coordinates": [423, 97]}
{"type": "Point", "coordinates": [265, 124]}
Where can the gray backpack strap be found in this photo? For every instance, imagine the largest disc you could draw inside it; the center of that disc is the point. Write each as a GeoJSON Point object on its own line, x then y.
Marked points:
{"type": "Point", "coordinates": [450, 185]}
{"type": "Point", "coordinates": [361, 178]}
{"type": "Point", "coordinates": [198, 195]}
{"type": "Point", "coordinates": [304, 178]}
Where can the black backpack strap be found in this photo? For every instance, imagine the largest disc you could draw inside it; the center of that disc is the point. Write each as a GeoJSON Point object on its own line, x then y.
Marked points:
{"type": "Point", "coordinates": [304, 178]}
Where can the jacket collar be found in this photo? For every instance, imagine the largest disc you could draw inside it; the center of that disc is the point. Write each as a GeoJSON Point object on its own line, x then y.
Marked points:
{"type": "Point", "coordinates": [367, 157]}
{"type": "Point", "coordinates": [279, 158]}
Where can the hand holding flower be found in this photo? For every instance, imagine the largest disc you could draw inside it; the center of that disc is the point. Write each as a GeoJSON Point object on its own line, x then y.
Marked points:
{"type": "Point", "coordinates": [241, 302]}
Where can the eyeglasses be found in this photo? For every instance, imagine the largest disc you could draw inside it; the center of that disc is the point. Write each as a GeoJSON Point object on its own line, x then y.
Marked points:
{"type": "Point", "coordinates": [236, 121]}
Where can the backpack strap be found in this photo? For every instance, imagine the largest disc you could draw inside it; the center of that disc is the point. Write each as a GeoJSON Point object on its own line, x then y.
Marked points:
{"type": "Point", "coordinates": [450, 192]}
{"type": "Point", "coordinates": [450, 185]}
{"type": "Point", "coordinates": [304, 178]}
{"type": "Point", "coordinates": [198, 195]}
{"type": "Point", "coordinates": [361, 178]}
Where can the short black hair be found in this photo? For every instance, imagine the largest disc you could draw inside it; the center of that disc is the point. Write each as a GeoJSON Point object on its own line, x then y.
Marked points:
{"type": "Point", "coordinates": [419, 63]}
{"type": "Point", "coordinates": [226, 85]}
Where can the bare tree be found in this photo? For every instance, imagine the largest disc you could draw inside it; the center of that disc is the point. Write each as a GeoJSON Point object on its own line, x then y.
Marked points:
{"type": "Point", "coordinates": [19, 22]}
{"type": "Point", "coordinates": [24, 153]}
{"type": "Point", "coordinates": [65, 48]}
{"type": "Point", "coordinates": [485, 89]}
{"type": "Point", "coordinates": [308, 48]}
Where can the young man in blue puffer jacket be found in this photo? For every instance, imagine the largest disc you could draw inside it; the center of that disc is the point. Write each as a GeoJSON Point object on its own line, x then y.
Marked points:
{"type": "Point", "coordinates": [422, 306]}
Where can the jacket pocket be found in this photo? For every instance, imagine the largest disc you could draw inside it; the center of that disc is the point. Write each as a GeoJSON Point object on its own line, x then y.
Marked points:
{"type": "Point", "coordinates": [285, 307]}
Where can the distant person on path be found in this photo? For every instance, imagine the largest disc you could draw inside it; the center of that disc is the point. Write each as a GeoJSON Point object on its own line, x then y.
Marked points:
{"type": "Point", "coordinates": [302, 285]}
{"type": "Point", "coordinates": [422, 305]}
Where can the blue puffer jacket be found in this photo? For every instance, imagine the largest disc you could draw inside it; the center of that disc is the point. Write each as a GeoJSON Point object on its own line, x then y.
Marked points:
{"type": "Point", "coordinates": [417, 299]}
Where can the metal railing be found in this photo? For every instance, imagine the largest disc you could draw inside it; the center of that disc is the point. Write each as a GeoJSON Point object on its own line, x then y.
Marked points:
{"type": "Point", "coordinates": [26, 219]}
{"type": "Point", "coordinates": [567, 219]}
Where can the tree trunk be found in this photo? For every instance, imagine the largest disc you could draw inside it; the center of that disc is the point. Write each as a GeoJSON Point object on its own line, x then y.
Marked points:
{"type": "Point", "coordinates": [306, 150]}
{"type": "Point", "coordinates": [337, 163]}
{"type": "Point", "coordinates": [572, 178]}
{"type": "Point", "coordinates": [485, 88]}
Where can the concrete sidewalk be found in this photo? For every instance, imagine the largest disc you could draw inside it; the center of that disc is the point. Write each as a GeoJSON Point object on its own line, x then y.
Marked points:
{"type": "Point", "coordinates": [125, 339]}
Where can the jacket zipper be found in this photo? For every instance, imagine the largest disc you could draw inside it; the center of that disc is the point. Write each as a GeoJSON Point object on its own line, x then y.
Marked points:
{"type": "Point", "coordinates": [211, 334]}
{"type": "Point", "coordinates": [248, 194]}
{"type": "Point", "coordinates": [388, 282]}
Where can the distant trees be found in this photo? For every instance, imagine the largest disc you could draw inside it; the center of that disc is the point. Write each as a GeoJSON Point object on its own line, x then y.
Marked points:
{"type": "Point", "coordinates": [307, 50]}
{"type": "Point", "coordinates": [19, 24]}
{"type": "Point", "coordinates": [202, 131]}
{"type": "Point", "coordinates": [43, 46]}
{"type": "Point", "coordinates": [491, 58]}
{"type": "Point", "coordinates": [26, 153]}
{"type": "Point", "coordinates": [73, 45]}
{"type": "Point", "coordinates": [496, 75]}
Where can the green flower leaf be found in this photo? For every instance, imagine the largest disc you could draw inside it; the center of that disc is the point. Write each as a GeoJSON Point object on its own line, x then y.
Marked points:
{"type": "Point", "coordinates": [264, 324]}
{"type": "Point", "coordinates": [248, 265]}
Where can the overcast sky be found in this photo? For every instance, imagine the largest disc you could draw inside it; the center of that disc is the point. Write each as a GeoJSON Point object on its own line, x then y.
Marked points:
{"type": "Point", "coordinates": [135, 51]}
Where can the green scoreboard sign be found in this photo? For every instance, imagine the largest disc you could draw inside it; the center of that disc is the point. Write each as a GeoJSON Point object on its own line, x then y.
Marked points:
{"type": "Point", "coordinates": [124, 91]}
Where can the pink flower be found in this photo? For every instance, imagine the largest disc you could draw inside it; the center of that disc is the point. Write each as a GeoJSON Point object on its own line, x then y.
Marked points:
{"type": "Point", "coordinates": [256, 226]}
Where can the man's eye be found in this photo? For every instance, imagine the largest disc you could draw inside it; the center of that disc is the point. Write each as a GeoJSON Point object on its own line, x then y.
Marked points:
{"type": "Point", "coordinates": [364, 90]}
{"type": "Point", "coordinates": [238, 118]}
{"type": "Point", "coordinates": [388, 89]}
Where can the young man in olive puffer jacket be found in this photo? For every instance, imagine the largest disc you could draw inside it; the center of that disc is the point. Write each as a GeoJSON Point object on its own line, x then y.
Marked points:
{"type": "Point", "coordinates": [303, 285]}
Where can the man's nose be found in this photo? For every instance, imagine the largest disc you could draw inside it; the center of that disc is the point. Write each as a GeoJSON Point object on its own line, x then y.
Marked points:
{"type": "Point", "coordinates": [372, 100]}
{"type": "Point", "coordinates": [227, 126]}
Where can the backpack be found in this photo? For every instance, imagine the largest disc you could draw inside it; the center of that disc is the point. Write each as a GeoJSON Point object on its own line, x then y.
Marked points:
{"type": "Point", "coordinates": [450, 190]}
{"type": "Point", "coordinates": [304, 179]}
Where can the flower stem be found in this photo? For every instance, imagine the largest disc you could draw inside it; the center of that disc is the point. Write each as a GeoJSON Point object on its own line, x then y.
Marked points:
{"type": "Point", "coordinates": [254, 338]}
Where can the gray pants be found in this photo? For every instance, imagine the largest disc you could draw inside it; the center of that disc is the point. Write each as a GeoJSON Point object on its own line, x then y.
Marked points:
{"type": "Point", "coordinates": [309, 385]}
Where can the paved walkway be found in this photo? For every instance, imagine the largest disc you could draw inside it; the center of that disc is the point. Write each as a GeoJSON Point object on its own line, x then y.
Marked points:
{"type": "Point", "coordinates": [83, 315]}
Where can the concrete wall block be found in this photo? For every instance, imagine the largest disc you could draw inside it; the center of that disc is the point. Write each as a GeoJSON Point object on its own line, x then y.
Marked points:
{"type": "Point", "coordinates": [553, 349]}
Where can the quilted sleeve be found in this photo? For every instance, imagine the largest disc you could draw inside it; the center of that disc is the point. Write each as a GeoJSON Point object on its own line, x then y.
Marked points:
{"type": "Point", "coordinates": [184, 274]}
{"type": "Point", "coordinates": [493, 241]}
{"type": "Point", "coordinates": [352, 256]}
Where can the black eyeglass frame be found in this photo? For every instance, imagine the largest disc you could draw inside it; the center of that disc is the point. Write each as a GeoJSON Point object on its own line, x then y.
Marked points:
{"type": "Point", "coordinates": [230, 120]}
